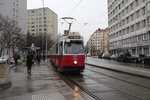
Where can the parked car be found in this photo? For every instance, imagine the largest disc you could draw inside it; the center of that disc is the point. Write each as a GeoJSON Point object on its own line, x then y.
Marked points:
{"type": "Point", "coordinates": [4, 59]}
{"type": "Point", "coordinates": [106, 56]}
{"type": "Point", "coordinates": [11, 60]}
{"type": "Point", "coordinates": [136, 58]}
{"type": "Point", "coordinates": [133, 58]}
{"type": "Point", "coordinates": [146, 60]}
{"type": "Point", "coordinates": [114, 56]}
{"type": "Point", "coordinates": [100, 55]}
{"type": "Point", "coordinates": [123, 57]}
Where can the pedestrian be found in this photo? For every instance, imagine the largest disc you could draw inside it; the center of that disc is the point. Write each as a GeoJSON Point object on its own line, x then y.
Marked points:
{"type": "Point", "coordinates": [43, 57]}
{"type": "Point", "coordinates": [15, 56]}
{"type": "Point", "coordinates": [38, 58]}
{"type": "Point", "coordinates": [29, 62]}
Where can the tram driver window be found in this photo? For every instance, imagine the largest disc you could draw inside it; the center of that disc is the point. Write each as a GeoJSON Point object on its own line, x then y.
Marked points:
{"type": "Point", "coordinates": [74, 47]}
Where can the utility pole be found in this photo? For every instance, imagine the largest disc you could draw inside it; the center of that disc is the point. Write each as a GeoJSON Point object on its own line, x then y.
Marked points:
{"type": "Point", "coordinates": [45, 33]}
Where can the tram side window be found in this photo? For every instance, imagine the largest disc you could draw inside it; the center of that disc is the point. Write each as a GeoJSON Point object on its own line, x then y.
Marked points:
{"type": "Point", "coordinates": [61, 48]}
{"type": "Point", "coordinates": [53, 50]}
{"type": "Point", "coordinates": [56, 50]}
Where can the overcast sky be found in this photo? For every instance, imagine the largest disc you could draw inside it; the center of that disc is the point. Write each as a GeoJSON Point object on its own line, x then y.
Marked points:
{"type": "Point", "coordinates": [92, 12]}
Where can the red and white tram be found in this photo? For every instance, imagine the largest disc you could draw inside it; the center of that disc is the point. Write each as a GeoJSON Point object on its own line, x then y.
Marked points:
{"type": "Point", "coordinates": [68, 53]}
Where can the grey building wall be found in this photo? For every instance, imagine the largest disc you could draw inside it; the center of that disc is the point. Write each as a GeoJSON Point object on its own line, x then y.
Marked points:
{"type": "Point", "coordinates": [129, 29]}
{"type": "Point", "coordinates": [15, 10]}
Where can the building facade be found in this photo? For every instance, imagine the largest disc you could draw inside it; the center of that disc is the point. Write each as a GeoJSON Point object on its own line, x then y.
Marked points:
{"type": "Point", "coordinates": [15, 10]}
{"type": "Point", "coordinates": [95, 43]}
{"type": "Point", "coordinates": [43, 20]}
{"type": "Point", "coordinates": [129, 26]}
{"type": "Point", "coordinates": [105, 41]}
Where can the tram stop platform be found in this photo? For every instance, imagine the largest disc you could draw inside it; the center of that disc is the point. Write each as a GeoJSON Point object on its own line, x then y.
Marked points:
{"type": "Point", "coordinates": [132, 69]}
{"type": "Point", "coordinates": [43, 84]}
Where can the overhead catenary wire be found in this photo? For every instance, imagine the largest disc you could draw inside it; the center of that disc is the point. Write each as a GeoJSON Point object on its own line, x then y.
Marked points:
{"type": "Point", "coordinates": [97, 17]}
{"type": "Point", "coordinates": [74, 8]}
{"type": "Point", "coordinates": [92, 20]}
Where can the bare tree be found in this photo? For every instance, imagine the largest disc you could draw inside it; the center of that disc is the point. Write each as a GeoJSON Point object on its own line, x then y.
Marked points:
{"type": "Point", "coordinates": [9, 33]}
{"type": "Point", "coordinates": [40, 41]}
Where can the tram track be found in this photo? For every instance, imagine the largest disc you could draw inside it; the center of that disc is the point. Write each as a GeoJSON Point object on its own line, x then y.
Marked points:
{"type": "Point", "coordinates": [69, 81]}
{"type": "Point", "coordinates": [73, 83]}
{"type": "Point", "coordinates": [119, 78]}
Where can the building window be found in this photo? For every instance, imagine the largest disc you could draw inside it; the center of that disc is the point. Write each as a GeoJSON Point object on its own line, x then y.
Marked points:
{"type": "Point", "coordinates": [132, 28]}
{"type": "Point", "coordinates": [143, 23]}
{"type": "Point", "coordinates": [40, 25]}
{"type": "Point", "coordinates": [131, 6]}
{"type": "Point", "coordinates": [137, 14]}
{"type": "Point", "coordinates": [40, 22]}
{"type": "Point", "coordinates": [132, 17]}
{"type": "Point", "coordinates": [136, 3]}
{"type": "Point", "coordinates": [127, 30]}
{"type": "Point", "coordinates": [127, 19]}
{"type": "Point", "coordinates": [140, 37]}
{"type": "Point", "coordinates": [137, 26]}
{"type": "Point", "coordinates": [148, 21]}
{"type": "Point", "coordinates": [135, 38]}
{"type": "Point", "coordinates": [127, 10]}
{"type": "Point", "coordinates": [143, 11]}
{"type": "Point", "coordinates": [32, 26]}
{"type": "Point", "coordinates": [45, 29]}
{"type": "Point", "coordinates": [40, 18]}
{"type": "Point", "coordinates": [148, 7]}
{"type": "Point", "coordinates": [146, 36]}
{"type": "Point", "coordinates": [146, 50]}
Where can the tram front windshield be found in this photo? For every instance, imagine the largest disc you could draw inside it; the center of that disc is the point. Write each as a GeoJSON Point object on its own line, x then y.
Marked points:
{"type": "Point", "coordinates": [74, 47]}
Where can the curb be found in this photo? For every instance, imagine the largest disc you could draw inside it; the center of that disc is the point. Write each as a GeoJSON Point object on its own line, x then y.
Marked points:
{"type": "Point", "coordinates": [120, 71]}
{"type": "Point", "coordinates": [7, 83]}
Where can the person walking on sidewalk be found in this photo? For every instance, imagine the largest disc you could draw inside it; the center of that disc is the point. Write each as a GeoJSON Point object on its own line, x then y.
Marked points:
{"type": "Point", "coordinates": [38, 58]}
{"type": "Point", "coordinates": [29, 62]}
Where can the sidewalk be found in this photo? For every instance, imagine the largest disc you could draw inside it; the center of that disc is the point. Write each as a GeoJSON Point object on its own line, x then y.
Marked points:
{"type": "Point", "coordinates": [107, 64]}
{"type": "Point", "coordinates": [44, 84]}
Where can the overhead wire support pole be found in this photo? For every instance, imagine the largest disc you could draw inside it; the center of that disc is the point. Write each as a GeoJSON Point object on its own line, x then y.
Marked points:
{"type": "Point", "coordinates": [45, 33]}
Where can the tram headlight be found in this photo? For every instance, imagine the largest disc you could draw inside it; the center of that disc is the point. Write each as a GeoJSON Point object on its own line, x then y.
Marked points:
{"type": "Point", "coordinates": [75, 62]}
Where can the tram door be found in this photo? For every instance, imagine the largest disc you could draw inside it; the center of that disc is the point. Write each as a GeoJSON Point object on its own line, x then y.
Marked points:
{"type": "Point", "coordinates": [60, 53]}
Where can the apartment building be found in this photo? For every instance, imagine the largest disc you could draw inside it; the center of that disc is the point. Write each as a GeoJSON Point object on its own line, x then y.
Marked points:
{"type": "Point", "coordinates": [43, 20]}
{"type": "Point", "coordinates": [105, 41]}
{"type": "Point", "coordinates": [95, 43]}
{"type": "Point", "coordinates": [129, 26]}
{"type": "Point", "coordinates": [15, 10]}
